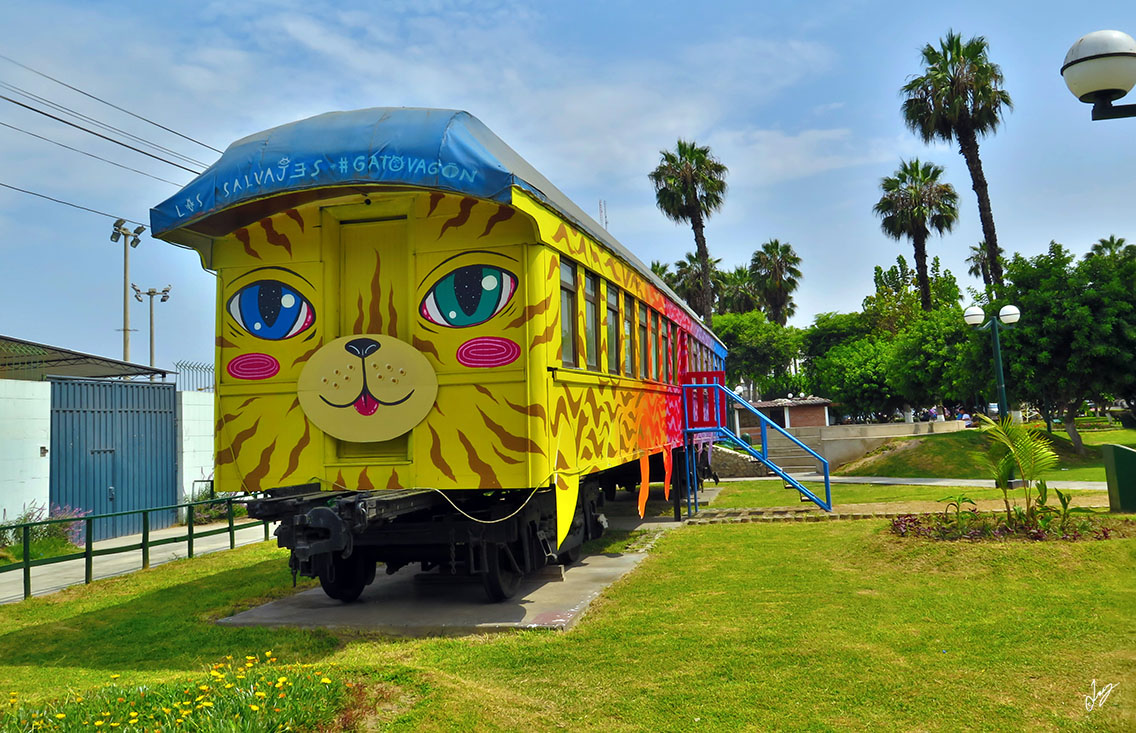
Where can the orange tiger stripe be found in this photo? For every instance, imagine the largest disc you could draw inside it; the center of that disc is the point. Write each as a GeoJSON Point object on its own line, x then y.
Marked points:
{"type": "Point", "coordinates": [435, 198]}
{"type": "Point", "coordinates": [530, 312]}
{"type": "Point", "coordinates": [515, 443]}
{"type": "Point", "coordinates": [294, 456]}
{"type": "Point", "coordinates": [295, 216]}
{"type": "Point", "coordinates": [365, 481]}
{"type": "Point", "coordinates": [426, 347]}
{"type": "Point", "coordinates": [255, 476]}
{"type": "Point", "coordinates": [506, 458]}
{"type": "Point", "coordinates": [504, 213]}
{"type": "Point", "coordinates": [242, 236]}
{"type": "Point", "coordinates": [235, 446]}
{"type": "Point", "coordinates": [308, 355]}
{"type": "Point", "coordinates": [223, 342]}
{"type": "Point", "coordinates": [533, 410]}
{"type": "Point", "coordinates": [483, 470]}
{"type": "Point", "coordinates": [359, 320]}
{"type": "Point", "coordinates": [545, 337]}
{"type": "Point", "coordinates": [274, 237]}
{"type": "Point", "coordinates": [394, 483]}
{"type": "Point", "coordinates": [437, 457]}
{"type": "Point", "coordinates": [464, 210]}
{"type": "Point", "coordinates": [392, 315]}
{"type": "Point", "coordinates": [375, 304]}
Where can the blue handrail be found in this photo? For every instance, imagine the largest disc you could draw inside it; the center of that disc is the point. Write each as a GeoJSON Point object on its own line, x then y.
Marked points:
{"type": "Point", "coordinates": [716, 397]}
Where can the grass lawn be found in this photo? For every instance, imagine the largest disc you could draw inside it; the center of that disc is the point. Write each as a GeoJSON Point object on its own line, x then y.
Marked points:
{"type": "Point", "coordinates": [756, 494]}
{"type": "Point", "coordinates": [960, 455]}
{"type": "Point", "coordinates": [826, 626]}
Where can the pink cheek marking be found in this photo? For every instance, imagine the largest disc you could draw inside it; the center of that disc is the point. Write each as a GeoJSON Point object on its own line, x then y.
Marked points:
{"type": "Point", "coordinates": [488, 351]}
{"type": "Point", "coordinates": [253, 366]}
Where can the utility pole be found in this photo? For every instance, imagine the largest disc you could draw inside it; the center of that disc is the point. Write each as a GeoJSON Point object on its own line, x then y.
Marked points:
{"type": "Point", "coordinates": [129, 239]}
{"type": "Point", "coordinates": [138, 293]}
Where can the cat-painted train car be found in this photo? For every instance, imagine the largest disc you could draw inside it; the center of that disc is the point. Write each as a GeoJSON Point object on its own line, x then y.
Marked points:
{"type": "Point", "coordinates": [425, 352]}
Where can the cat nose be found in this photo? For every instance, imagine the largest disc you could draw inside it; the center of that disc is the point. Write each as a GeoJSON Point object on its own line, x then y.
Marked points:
{"type": "Point", "coordinates": [361, 348]}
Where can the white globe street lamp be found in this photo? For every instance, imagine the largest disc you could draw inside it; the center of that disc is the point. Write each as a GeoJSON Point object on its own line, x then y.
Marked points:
{"type": "Point", "coordinates": [1101, 68]}
{"type": "Point", "coordinates": [1007, 317]}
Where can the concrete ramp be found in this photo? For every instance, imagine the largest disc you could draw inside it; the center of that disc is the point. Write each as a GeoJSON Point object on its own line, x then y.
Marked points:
{"type": "Point", "coordinates": [415, 604]}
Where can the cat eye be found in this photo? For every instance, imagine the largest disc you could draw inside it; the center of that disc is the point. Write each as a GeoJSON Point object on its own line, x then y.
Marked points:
{"type": "Point", "coordinates": [469, 296]}
{"type": "Point", "coordinates": [269, 309]}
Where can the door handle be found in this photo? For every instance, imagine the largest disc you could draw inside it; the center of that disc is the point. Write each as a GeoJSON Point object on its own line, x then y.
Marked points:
{"type": "Point", "coordinates": [110, 493]}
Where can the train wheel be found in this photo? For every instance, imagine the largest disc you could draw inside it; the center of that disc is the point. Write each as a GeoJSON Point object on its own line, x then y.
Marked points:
{"type": "Point", "coordinates": [502, 577]}
{"type": "Point", "coordinates": [345, 578]}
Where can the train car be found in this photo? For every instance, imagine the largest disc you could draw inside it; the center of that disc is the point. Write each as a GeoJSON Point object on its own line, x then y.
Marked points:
{"type": "Point", "coordinates": [426, 353]}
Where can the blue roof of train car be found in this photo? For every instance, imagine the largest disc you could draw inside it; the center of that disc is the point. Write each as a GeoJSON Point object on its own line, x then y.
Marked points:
{"type": "Point", "coordinates": [448, 150]}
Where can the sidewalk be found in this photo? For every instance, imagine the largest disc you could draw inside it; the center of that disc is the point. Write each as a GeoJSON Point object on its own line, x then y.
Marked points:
{"type": "Point", "coordinates": [51, 578]}
{"type": "Point", "coordinates": [890, 481]}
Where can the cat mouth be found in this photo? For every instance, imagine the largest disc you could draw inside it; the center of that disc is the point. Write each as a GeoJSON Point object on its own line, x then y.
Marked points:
{"type": "Point", "coordinates": [366, 404]}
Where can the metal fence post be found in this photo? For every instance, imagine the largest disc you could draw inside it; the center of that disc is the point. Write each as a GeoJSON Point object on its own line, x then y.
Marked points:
{"type": "Point", "coordinates": [265, 523]}
{"type": "Point", "coordinates": [189, 524]}
{"type": "Point", "coordinates": [26, 537]}
{"type": "Point", "coordinates": [89, 550]}
{"type": "Point", "coordinates": [145, 540]}
{"type": "Point", "coordinates": [232, 532]}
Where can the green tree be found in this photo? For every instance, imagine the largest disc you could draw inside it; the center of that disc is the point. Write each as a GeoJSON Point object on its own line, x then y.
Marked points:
{"type": "Point", "coordinates": [979, 264]}
{"type": "Point", "coordinates": [854, 375]}
{"type": "Point", "coordinates": [1113, 247]}
{"type": "Point", "coordinates": [776, 268]}
{"type": "Point", "coordinates": [914, 203]}
{"type": "Point", "coordinates": [959, 97]}
{"type": "Point", "coordinates": [1077, 333]}
{"type": "Point", "coordinates": [739, 292]}
{"type": "Point", "coordinates": [758, 348]}
{"type": "Point", "coordinates": [938, 359]}
{"type": "Point", "coordinates": [663, 271]}
{"type": "Point", "coordinates": [690, 185]}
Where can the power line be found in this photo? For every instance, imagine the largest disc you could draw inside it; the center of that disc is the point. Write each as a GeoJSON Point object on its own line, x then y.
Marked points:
{"type": "Point", "coordinates": [109, 104]}
{"type": "Point", "coordinates": [98, 123]}
{"type": "Point", "coordinates": [89, 155]}
{"type": "Point", "coordinates": [96, 134]}
{"type": "Point", "coordinates": [68, 203]}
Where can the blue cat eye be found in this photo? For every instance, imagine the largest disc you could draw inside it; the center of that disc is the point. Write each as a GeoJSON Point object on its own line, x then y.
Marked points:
{"type": "Point", "coordinates": [269, 309]}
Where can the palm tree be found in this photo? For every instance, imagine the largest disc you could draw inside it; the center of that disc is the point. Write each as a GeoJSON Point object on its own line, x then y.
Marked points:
{"type": "Point", "coordinates": [979, 265]}
{"type": "Point", "coordinates": [913, 204]}
{"type": "Point", "coordinates": [688, 281]}
{"type": "Point", "coordinates": [689, 186]}
{"type": "Point", "coordinates": [959, 97]}
{"type": "Point", "coordinates": [740, 293]}
{"type": "Point", "coordinates": [663, 271]}
{"type": "Point", "coordinates": [776, 268]}
{"type": "Point", "coordinates": [1113, 246]}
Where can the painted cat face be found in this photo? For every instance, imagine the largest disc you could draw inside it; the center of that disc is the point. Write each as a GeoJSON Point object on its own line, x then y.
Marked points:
{"type": "Point", "coordinates": [367, 388]}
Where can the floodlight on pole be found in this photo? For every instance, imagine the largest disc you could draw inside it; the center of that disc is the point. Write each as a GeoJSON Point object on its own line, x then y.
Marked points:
{"type": "Point", "coordinates": [1007, 317]}
{"type": "Point", "coordinates": [129, 239]}
{"type": "Point", "coordinates": [165, 293]}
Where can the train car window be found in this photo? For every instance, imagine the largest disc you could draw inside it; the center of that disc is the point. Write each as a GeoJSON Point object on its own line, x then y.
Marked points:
{"type": "Point", "coordinates": [612, 328]}
{"type": "Point", "coordinates": [629, 335]}
{"type": "Point", "coordinates": [568, 313]}
{"type": "Point", "coordinates": [643, 346]}
{"type": "Point", "coordinates": [654, 345]}
{"type": "Point", "coordinates": [666, 350]}
{"type": "Point", "coordinates": [592, 320]}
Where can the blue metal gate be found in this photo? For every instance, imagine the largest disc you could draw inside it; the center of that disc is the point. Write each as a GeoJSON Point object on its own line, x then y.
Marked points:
{"type": "Point", "coordinates": [113, 449]}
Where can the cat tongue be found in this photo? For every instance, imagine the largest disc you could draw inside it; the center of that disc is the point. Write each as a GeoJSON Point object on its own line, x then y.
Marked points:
{"type": "Point", "coordinates": [366, 404]}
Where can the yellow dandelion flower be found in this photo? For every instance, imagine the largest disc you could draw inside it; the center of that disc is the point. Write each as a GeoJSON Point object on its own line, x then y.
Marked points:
{"type": "Point", "coordinates": [268, 654]}
{"type": "Point", "coordinates": [326, 681]}
{"type": "Point", "coordinates": [106, 715]}
{"type": "Point", "coordinates": [228, 656]}
{"type": "Point", "coordinates": [281, 679]}
{"type": "Point", "coordinates": [115, 725]}
{"type": "Point", "coordinates": [78, 699]}
{"type": "Point", "coordinates": [115, 676]}
{"type": "Point", "coordinates": [207, 704]}
{"type": "Point", "coordinates": [61, 716]}
{"type": "Point", "coordinates": [98, 723]}
{"type": "Point", "coordinates": [178, 721]}
{"type": "Point", "coordinates": [167, 711]}
{"type": "Point", "coordinates": [229, 686]}
{"type": "Point", "coordinates": [260, 694]}
{"type": "Point", "coordinates": [203, 688]}
{"type": "Point", "coordinates": [250, 658]}
{"type": "Point", "coordinates": [133, 714]}
{"type": "Point", "coordinates": [240, 677]}
{"type": "Point", "coordinates": [254, 707]}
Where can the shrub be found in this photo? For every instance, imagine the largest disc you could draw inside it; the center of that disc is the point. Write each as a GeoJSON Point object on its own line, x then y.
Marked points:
{"type": "Point", "coordinates": [56, 533]}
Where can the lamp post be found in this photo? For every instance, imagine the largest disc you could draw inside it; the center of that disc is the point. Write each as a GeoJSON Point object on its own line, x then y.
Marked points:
{"type": "Point", "coordinates": [1101, 68]}
{"type": "Point", "coordinates": [1007, 317]}
{"type": "Point", "coordinates": [129, 239]}
{"type": "Point", "coordinates": [138, 293]}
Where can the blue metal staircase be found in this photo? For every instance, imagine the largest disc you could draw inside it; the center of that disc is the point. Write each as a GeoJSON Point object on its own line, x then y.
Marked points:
{"type": "Point", "coordinates": [704, 414]}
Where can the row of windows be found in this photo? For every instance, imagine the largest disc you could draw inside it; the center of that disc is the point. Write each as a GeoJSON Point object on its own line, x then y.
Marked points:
{"type": "Point", "coordinates": [650, 351]}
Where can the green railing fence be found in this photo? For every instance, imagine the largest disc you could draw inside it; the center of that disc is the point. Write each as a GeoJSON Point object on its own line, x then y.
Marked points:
{"type": "Point", "coordinates": [89, 553]}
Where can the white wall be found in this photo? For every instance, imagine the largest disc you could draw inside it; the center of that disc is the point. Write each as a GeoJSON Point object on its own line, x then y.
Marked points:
{"type": "Point", "coordinates": [195, 439]}
{"type": "Point", "coordinates": [25, 428]}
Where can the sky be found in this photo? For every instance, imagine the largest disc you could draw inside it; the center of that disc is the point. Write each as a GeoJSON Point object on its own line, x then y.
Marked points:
{"type": "Point", "coordinates": [799, 100]}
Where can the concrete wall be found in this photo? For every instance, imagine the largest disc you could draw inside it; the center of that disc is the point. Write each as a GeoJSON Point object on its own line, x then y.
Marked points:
{"type": "Point", "coordinates": [840, 444]}
{"type": "Point", "coordinates": [195, 439]}
{"type": "Point", "coordinates": [25, 429]}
